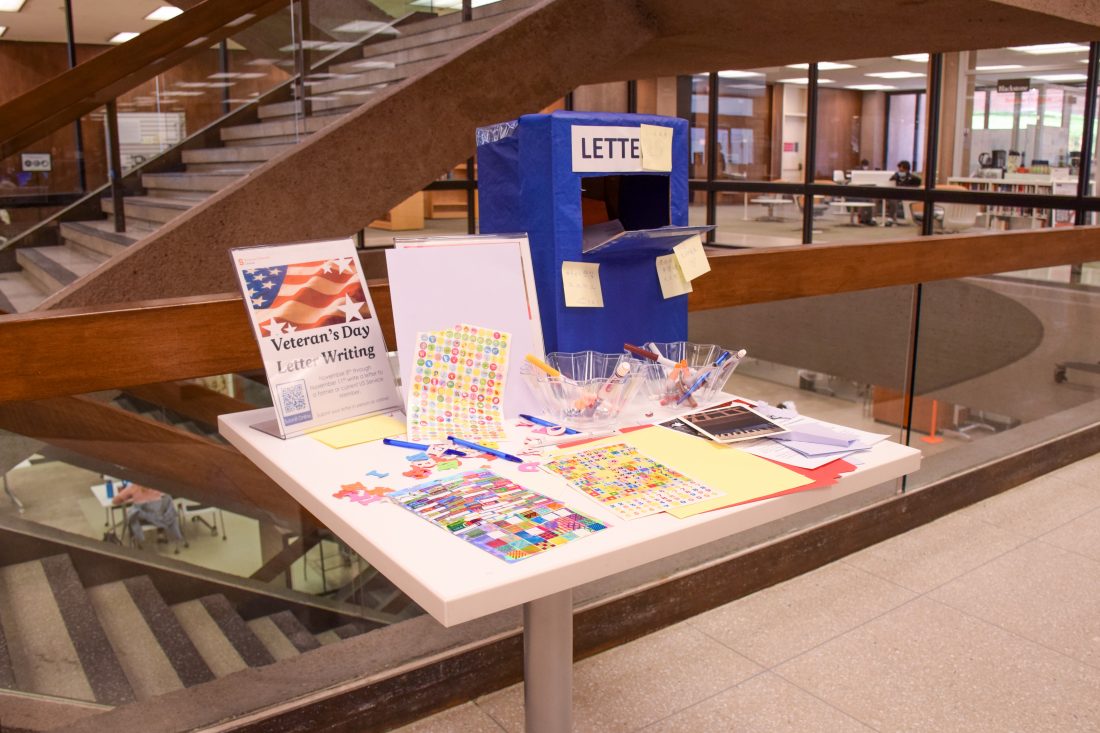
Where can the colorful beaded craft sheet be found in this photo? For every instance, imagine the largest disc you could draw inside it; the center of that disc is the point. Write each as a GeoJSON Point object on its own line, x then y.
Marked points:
{"type": "Point", "coordinates": [457, 385]}
{"type": "Point", "coordinates": [627, 482]}
{"type": "Point", "coordinates": [495, 514]}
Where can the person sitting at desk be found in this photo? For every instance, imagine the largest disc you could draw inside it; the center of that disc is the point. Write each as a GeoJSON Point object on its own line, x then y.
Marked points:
{"type": "Point", "coordinates": [148, 506]}
{"type": "Point", "coordinates": [903, 178]}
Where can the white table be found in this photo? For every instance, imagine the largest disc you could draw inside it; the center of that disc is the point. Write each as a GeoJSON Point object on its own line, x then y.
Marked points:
{"type": "Point", "coordinates": [99, 491]}
{"type": "Point", "coordinates": [852, 208]}
{"type": "Point", "coordinates": [771, 202]}
{"type": "Point", "coordinates": [455, 581]}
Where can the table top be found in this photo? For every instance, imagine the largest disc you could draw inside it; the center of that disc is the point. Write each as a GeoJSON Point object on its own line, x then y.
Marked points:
{"type": "Point", "coordinates": [852, 204]}
{"type": "Point", "coordinates": [99, 491]}
{"type": "Point", "coordinates": [772, 200]}
{"type": "Point", "coordinates": [455, 581]}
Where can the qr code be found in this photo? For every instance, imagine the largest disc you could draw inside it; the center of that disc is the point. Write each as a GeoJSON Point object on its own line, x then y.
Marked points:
{"type": "Point", "coordinates": [294, 401]}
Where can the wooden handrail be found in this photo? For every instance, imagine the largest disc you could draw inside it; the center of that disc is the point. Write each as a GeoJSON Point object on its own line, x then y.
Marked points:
{"type": "Point", "coordinates": [66, 97]}
{"type": "Point", "coordinates": [72, 351]}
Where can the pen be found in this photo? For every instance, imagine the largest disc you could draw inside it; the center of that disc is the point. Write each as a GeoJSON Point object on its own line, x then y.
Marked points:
{"type": "Point", "coordinates": [703, 377]}
{"type": "Point", "coordinates": [645, 354]}
{"type": "Point", "coordinates": [484, 449]}
{"type": "Point", "coordinates": [562, 439]}
{"type": "Point", "coordinates": [547, 424]}
{"type": "Point", "coordinates": [661, 358]}
{"type": "Point", "coordinates": [418, 446]}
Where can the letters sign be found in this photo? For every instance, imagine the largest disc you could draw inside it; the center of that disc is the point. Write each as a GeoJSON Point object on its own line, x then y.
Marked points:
{"type": "Point", "coordinates": [606, 149]}
{"type": "Point", "coordinates": [1013, 85]}
{"type": "Point", "coordinates": [37, 162]}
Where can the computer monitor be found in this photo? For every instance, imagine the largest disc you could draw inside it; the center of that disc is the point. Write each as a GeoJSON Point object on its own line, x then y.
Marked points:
{"type": "Point", "coordinates": [838, 177]}
{"type": "Point", "coordinates": [872, 178]}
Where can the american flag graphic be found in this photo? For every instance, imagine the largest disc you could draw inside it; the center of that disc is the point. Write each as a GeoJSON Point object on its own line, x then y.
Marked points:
{"type": "Point", "coordinates": [305, 295]}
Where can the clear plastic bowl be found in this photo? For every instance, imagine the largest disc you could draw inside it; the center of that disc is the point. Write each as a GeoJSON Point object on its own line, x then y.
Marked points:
{"type": "Point", "coordinates": [668, 384]}
{"type": "Point", "coordinates": [589, 393]}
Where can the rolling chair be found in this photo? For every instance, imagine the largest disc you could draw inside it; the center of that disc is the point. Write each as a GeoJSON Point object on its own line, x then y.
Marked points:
{"type": "Point", "coordinates": [210, 517]}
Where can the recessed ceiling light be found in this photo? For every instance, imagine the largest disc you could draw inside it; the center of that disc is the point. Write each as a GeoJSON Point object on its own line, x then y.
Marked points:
{"type": "Point", "coordinates": [998, 67]}
{"type": "Point", "coordinates": [11, 6]}
{"type": "Point", "coordinates": [822, 66]}
{"type": "Point", "coordinates": [122, 37]}
{"type": "Point", "coordinates": [870, 87]}
{"type": "Point", "coordinates": [896, 74]}
{"type": "Point", "coordinates": [1061, 77]}
{"type": "Point", "coordinates": [918, 57]}
{"type": "Point", "coordinates": [803, 80]}
{"type": "Point", "coordinates": [164, 12]}
{"type": "Point", "coordinates": [1043, 49]}
{"type": "Point", "coordinates": [735, 74]}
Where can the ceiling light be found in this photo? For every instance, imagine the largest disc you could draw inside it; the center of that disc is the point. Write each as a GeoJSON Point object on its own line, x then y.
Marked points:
{"type": "Point", "coordinates": [896, 74]}
{"type": "Point", "coordinates": [224, 75]}
{"type": "Point", "coordinates": [1061, 77]}
{"type": "Point", "coordinates": [921, 58]}
{"type": "Point", "coordinates": [998, 67]}
{"type": "Point", "coordinates": [122, 37]}
{"type": "Point", "coordinates": [164, 12]}
{"type": "Point", "coordinates": [734, 74]}
{"type": "Point", "coordinates": [870, 87]}
{"type": "Point", "coordinates": [803, 80]}
{"type": "Point", "coordinates": [1043, 49]}
{"type": "Point", "coordinates": [11, 6]}
{"type": "Point", "coordinates": [366, 26]}
{"type": "Point", "coordinates": [822, 66]}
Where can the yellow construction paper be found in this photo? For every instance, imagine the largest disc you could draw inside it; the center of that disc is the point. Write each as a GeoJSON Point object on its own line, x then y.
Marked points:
{"type": "Point", "coordinates": [740, 476]}
{"type": "Point", "coordinates": [692, 257]}
{"type": "Point", "coordinates": [656, 148]}
{"type": "Point", "coordinates": [358, 431]}
{"type": "Point", "coordinates": [672, 278]}
{"type": "Point", "coordinates": [581, 281]}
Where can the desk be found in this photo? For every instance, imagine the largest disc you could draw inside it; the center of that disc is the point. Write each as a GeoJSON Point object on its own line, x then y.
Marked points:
{"type": "Point", "coordinates": [771, 202]}
{"type": "Point", "coordinates": [99, 491]}
{"type": "Point", "coordinates": [852, 208]}
{"type": "Point", "coordinates": [455, 582]}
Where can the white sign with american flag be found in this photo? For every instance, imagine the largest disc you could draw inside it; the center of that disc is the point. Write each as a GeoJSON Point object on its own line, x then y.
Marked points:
{"type": "Point", "coordinates": [313, 317]}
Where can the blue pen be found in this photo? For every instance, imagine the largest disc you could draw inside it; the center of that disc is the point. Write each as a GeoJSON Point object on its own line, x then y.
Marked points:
{"type": "Point", "coordinates": [547, 424]}
{"type": "Point", "coordinates": [699, 382]}
{"type": "Point", "coordinates": [419, 446]}
{"type": "Point", "coordinates": [483, 449]}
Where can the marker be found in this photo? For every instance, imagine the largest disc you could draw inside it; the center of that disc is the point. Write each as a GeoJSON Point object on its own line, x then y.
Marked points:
{"type": "Point", "coordinates": [539, 363]}
{"type": "Point", "coordinates": [547, 424]}
{"type": "Point", "coordinates": [484, 449]}
{"type": "Point", "coordinates": [562, 439]}
{"type": "Point", "coordinates": [419, 446]}
{"type": "Point", "coordinates": [661, 358]}
{"type": "Point", "coordinates": [644, 354]}
{"type": "Point", "coordinates": [703, 377]}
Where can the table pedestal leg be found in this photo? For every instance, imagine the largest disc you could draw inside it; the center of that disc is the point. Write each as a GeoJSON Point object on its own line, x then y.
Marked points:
{"type": "Point", "coordinates": [548, 663]}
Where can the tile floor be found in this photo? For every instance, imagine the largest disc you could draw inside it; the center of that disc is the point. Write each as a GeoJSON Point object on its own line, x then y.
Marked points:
{"type": "Point", "coordinates": [985, 620]}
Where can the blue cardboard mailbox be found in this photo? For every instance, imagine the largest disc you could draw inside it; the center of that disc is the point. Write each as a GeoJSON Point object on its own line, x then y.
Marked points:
{"type": "Point", "coordinates": [577, 184]}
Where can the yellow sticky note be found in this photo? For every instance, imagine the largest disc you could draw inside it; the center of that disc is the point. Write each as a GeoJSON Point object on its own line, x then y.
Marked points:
{"type": "Point", "coordinates": [582, 284]}
{"type": "Point", "coordinates": [656, 148]}
{"type": "Point", "coordinates": [692, 257]}
{"type": "Point", "coordinates": [672, 278]}
{"type": "Point", "coordinates": [740, 476]}
{"type": "Point", "coordinates": [358, 431]}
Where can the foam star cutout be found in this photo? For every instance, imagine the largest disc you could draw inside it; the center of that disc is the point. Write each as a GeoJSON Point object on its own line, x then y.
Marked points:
{"type": "Point", "coordinates": [351, 310]}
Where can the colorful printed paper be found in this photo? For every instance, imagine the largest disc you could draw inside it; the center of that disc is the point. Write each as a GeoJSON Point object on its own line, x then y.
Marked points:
{"type": "Point", "coordinates": [672, 278]}
{"type": "Point", "coordinates": [629, 483]}
{"type": "Point", "coordinates": [457, 385]}
{"type": "Point", "coordinates": [495, 514]}
{"type": "Point", "coordinates": [581, 281]}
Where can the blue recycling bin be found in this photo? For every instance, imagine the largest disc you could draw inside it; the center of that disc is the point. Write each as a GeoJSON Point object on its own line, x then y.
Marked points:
{"type": "Point", "coordinates": [575, 183]}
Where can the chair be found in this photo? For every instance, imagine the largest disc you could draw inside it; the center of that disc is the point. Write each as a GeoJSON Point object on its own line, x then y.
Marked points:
{"type": "Point", "coordinates": [958, 217]}
{"type": "Point", "coordinates": [820, 207]}
{"type": "Point", "coordinates": [209, 516]}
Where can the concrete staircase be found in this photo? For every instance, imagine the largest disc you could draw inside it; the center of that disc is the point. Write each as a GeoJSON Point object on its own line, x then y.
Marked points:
{"type": "Point", "coordinates": [120, 642]}
{"type": "Point", "coordinates": [345, 86]}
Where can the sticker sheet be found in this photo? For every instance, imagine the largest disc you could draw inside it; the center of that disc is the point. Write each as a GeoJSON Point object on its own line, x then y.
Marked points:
{"type": "Point", "coordinates": [629, 483]}
{"type": "Point", "coordinates": [495, 514]}
{"type": "Point", "coordinates": [457, 385]}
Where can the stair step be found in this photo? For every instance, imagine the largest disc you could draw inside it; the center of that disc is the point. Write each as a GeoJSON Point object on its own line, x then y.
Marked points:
{"type": "Point", "coordinates": [367, 79]}
{"type": "Point", "coordinates": [99, 236]}
{"type": "Point", "coordinates": [44, 654]}
{"type": "Point", "coordinates": [154, 209]}
{"type": "Point", "coordinates": [191, 182]}
{"type": "Point", "coordinates": [241, 168]}
{"type": "Point", "coordinates": [153, 648]}
{"type": "Point", "coordinates": [7, 672]}
{"type": "Point", "coordinates": [283, 635]}
{"type": "Point", "coordinates": [287, 130]}
{"type": "Point", "coordinates": [232, 155]}
{"type": "Point", "coordinates": [221, 635]}
{"type": "Point", "coordinates": [400, 57]}
{"type": "Point", "coordinates": [19, 293]}
{"type": "Point", "coordinates": [55, 267]}
{"type": "Point", "coordinates": [438, 35]}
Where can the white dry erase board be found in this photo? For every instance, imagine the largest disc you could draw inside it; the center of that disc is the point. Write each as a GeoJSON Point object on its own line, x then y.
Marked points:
{"type": "Point", "coordinates": [438, 282]}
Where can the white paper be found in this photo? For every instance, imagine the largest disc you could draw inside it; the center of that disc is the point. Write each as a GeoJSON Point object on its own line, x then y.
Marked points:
{"type": "Point", "coordinates": [606, 149]}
